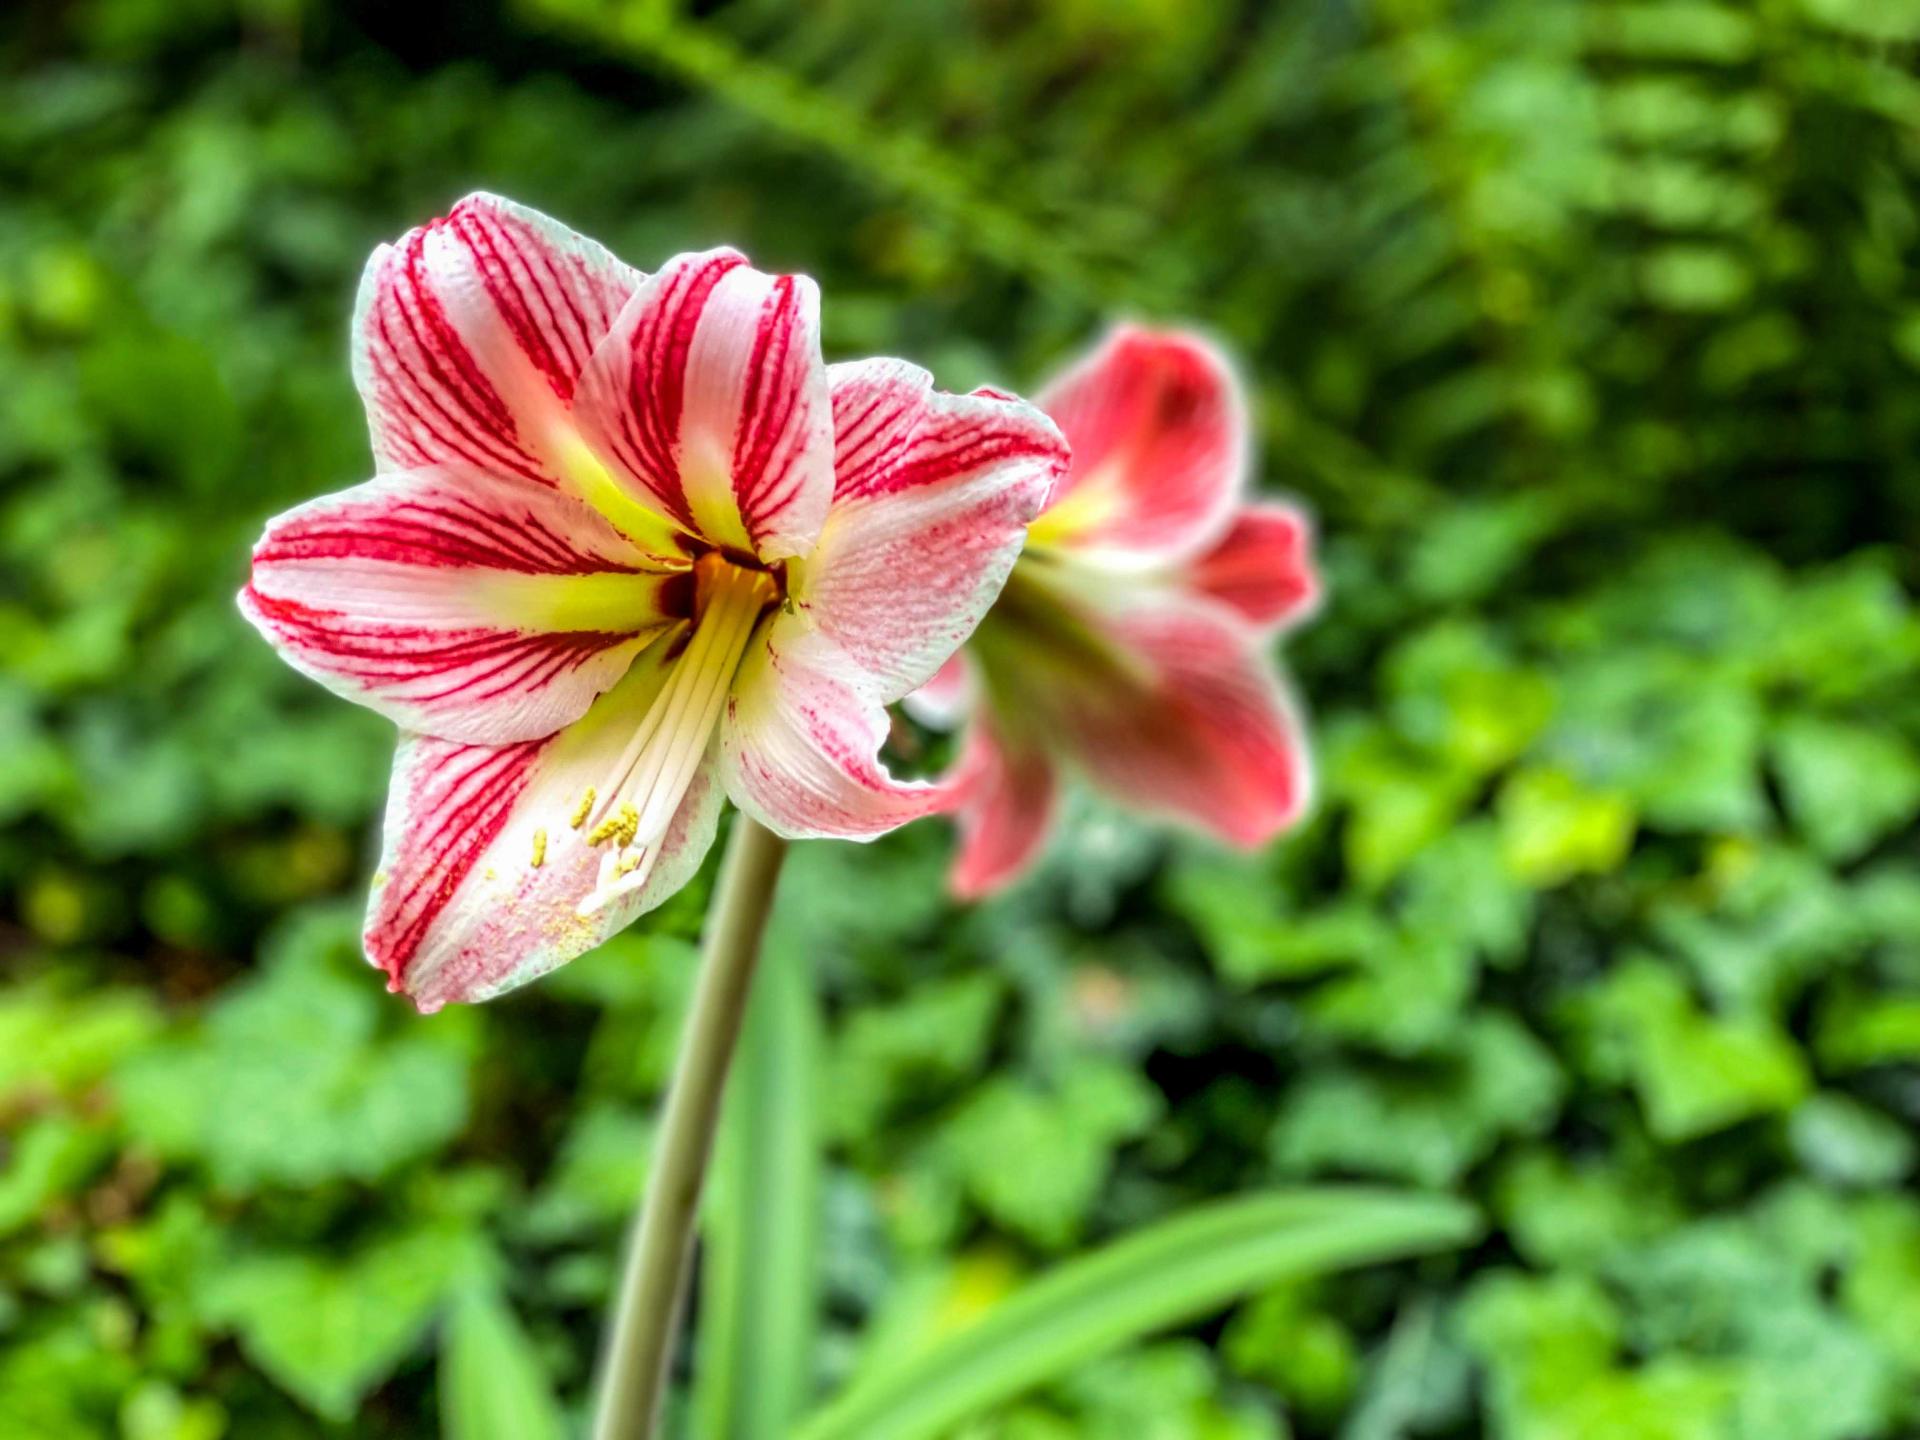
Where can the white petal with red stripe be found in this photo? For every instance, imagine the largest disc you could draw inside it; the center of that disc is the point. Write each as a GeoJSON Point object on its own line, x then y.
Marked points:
{"type": "Point", "coordinates": [470, 335]}
{"type": "Point", "coordinates": [1158, 427]}
{"type": "Point", "coordinates": [489, 863]}
{"type": "Point", "coordinates": [459, 604]}
{"type": "Point", "coordinates": [932, 497]}
{"type": "Point", "coordinates": [800, 745]}
{"type": "Point", "coordinates": [710, 399]}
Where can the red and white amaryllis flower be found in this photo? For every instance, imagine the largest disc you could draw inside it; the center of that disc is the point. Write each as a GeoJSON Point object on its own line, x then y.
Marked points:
{"type": "Point", "coordinates": [632, 547]}
{"type": "Point", "coordinates": [1133, 640]}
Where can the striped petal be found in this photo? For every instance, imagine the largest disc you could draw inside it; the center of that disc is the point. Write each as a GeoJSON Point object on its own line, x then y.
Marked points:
{"type": "Point", "coordinates": [1158, 428]}
{"type": "Point", "coordinates": [1167, 701]}
{"type": "Point", "coordinates": [484, 876]}
{"type": "Point", "coordinates": [459, 604]}
{"type": "Point", "coordinates": [1007, 798]}
{"type": "Point", "coordinates": [710, 399]}
{"type": "Point", "coordinates": [932, 499]}
{"type": "Point", "coordinates": [800, 745]}
{"type": "Point", "coordinates": [470, 335]}
{"type": "Point", "coordinates": [1263, 566]}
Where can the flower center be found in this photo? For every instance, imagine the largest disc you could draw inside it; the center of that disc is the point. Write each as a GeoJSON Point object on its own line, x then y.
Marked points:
{"type": "Point", "coordinates": [628, 817]}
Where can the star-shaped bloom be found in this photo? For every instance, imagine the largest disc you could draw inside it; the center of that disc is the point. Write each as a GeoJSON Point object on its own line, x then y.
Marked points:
{"type": "Point", "coordinates": [1133, 642]}
{"type": "Point", "coordinates": [632, 548]}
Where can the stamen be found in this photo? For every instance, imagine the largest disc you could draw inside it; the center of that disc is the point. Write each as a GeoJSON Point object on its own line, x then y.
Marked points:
{"type": "Point", "coordinates": [621, 825]}
{"type": "Point", "coordinates": [539, 847]}
{"type": "Point", "coordinates": [658, 765]}
{"type": "Point", "coordinates": [580, 813]}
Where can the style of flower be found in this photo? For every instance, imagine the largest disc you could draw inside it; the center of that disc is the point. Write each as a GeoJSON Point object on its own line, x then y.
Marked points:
{"type": "Point", "coordinates": [632, 547]}
{"type": "Point", "coordinates": [1133, 639]}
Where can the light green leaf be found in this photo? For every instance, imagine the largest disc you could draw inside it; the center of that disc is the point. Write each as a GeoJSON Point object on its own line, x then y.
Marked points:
{"type": "Point", "coordinates": [1075, 1125]}
{"type": "Point", "coordinates": [291, 1079]}
{"type": "Point", "coordinates": [1552, 827]}
{"type": "Point", "coordinates": [327, 1332]}
{"type": "Point", "coordinates": [1845, 785]}
{"type": "Point", "coordinates": [1426, 1124]}
{"type": "Point", "coordinates": [491, 1383]}
{"type": "Point", "coordinates": [1695, 1072]}
{"type": "Point", "coordinates": [938, 1032]}
{"type": "Point", "coordinates": [66, 1042]}
{"type": "Point", "coordinates": [46, 1159]}
{"type": "Point", "coordinates": [1165, 1275]}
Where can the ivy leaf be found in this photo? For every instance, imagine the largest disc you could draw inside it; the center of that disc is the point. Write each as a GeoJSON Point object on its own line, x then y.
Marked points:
{"type": "Point", "coordinates": [1845, 785]}
{"type": "Point", "coordinates": [327, 1331]}
{"type": "Point", "coordinates": [887, 1054]}
{"type": "Point", "coordinates": [291, 1081]}
{"type": "Point", "coordinates": [1075, 1125]}
{"type": "Point", "coordinates": [1429, 1123]}
{"type": "Point", "coordinates": [1694, 1072]}
{"type": "Point", "coordinates": [1552, 827]}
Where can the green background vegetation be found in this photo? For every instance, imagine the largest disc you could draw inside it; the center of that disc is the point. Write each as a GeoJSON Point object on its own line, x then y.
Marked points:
{"type": "Point", "coordinates": [1591, 334]}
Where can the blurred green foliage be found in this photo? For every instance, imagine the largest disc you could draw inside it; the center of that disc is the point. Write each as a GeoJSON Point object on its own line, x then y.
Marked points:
{"type": "Point", "coordinates": [1591, 333]}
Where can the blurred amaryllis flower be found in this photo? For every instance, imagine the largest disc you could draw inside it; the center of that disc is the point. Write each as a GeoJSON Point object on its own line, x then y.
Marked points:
{"type": "Point", "coordinates": [1133, 640]}
{"type": "Point", "coordinates": [632, 547]}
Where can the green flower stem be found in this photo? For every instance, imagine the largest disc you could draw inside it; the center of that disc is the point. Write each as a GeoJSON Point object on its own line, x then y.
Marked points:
{"type": "Point", "coordinates": [640, 1347]}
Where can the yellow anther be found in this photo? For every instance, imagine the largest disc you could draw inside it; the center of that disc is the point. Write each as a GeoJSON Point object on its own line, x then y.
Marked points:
{"type": "Point", "coordinates": [627, 864]}
{"type": "Point", "coordinates": [622, 825]}
{"type": "Point", "coordinates": [539, 848]}
{"type": "Point", "coordinates": [580, 810]}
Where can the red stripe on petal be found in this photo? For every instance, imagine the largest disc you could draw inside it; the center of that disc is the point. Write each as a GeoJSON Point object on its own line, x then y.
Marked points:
{"type": "Point", "coordinates": [459, 604]}
{"type": "Point", "coordinates": [555, 303]}
{"type": "Point", "coordinates": [482, 881]}
{"type": "Point", "coordinates": [653, 392]}
{"type": "Point", "coordinates": [928, 517]}
{"type": "Point", "coordinates": [463, 796]}
{"type": "Point", "coordinates": [457, 388]}
{"type": "Point", "coordinates": [471, 333]}
{"type": "Point", "coordinates": [769, 446]}
{"type": "Point", "coordinates": [877, 409]}
{"type": "Point", "coordinates": [439, 532]}
{"type": "Point", "coordinates": [800, 748]}
{"type": "Point", "coordinates": [422, 665]}
{"type": "Point", "coordinates": [893, 431]}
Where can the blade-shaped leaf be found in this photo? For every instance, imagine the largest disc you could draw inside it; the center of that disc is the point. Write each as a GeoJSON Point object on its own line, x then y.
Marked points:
{"type": "Point", "coordinates": [491, 1383]}
{"type": "Point", "coordinates": [758, 1297]}
{"type": "Point", "coordinates": [1164, 1275]}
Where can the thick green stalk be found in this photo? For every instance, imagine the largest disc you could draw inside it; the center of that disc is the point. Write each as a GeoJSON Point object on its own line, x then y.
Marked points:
{"type": "Point", "coordinates": [640, 1346]}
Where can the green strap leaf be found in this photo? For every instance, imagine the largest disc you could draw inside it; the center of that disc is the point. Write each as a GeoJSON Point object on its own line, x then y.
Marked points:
{"type": "Point", "coordinates": [1162, 1276]}
{"type": "Point", "coordinates": [758, 1298]}
{"type": "Point", "coordinates": [492, 1385]}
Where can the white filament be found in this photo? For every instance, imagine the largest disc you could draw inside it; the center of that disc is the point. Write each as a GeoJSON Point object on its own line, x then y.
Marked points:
{"type": "Point", "coordinates": [660, 761]}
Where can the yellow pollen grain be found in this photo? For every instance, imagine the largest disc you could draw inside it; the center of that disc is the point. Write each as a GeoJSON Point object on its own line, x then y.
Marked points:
{"type": "Point", "coordinates": [539, 848]}
{"type": "Point", "coordinates": [626, 864]}
{"type": "Point", "coordinates": [622, 825]}
{"type": "Point", "coordinates": [582, 810]}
